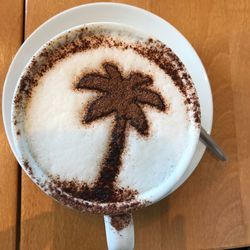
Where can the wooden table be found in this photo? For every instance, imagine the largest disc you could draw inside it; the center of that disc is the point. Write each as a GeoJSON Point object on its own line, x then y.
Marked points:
{"type": "Point", "coordinates": [212, 209]}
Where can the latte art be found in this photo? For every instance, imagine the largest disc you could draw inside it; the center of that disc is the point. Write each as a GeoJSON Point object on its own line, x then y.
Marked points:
{"type": "Point", "coordinates": [107, 115]}
{"type": "Point", "coordinates": [121, 97]}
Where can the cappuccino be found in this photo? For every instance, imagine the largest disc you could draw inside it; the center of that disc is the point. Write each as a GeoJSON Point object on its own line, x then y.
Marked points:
{"type": "Point", "coordinates": [106, 114]}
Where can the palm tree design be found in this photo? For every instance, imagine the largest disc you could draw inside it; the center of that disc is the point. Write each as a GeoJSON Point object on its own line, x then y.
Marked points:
{"type": "Point", "coordinates": [123, 98]}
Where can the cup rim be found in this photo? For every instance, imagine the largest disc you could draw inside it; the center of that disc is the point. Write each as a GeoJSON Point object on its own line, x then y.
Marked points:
{"type": "Point", "coordinates": [146, 198]}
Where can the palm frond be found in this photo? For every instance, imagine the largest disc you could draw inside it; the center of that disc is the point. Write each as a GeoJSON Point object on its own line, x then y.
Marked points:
{"type": "Point", "coordinates": [137, 119]}
{"type": "Point", "coordinates": [99, 108]}
{"type": "Point", "coordinates": [149, 97]}
{"type": "Point", "coordinates": [137, 80]}
{"type": "Point", "coordinates": [94, 81]}
{"type": "Point", "coordinates": [113, 72]}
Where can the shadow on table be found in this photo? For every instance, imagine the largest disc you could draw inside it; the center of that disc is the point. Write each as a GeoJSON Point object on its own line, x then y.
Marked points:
{"type": "Point", "coordinates": [63, 228]}
{"type": "Point", "coordinates": [156, 229]}
{"type": "Point", "coordinates": [59, 229]}
{"type": "Point", "coordinates": [27, 225]}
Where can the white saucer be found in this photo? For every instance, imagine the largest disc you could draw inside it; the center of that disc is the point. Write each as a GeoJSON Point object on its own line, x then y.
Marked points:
{"type": "Point", "coordinates": [112, 12]}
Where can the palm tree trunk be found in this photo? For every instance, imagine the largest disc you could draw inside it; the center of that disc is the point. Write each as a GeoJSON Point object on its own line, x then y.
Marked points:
{"type": "Point", "coordinates": [104, 187]}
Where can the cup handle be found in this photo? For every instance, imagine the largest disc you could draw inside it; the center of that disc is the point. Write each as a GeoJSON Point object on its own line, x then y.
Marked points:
{"type": "Point", "coordinates": [119, 231]}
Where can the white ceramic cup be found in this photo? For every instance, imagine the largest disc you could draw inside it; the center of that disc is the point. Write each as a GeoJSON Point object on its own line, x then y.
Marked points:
{"type": "Point", "coordinates": [116, 239]}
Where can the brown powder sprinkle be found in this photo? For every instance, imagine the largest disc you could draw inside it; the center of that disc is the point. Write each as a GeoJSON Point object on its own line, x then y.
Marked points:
{"type": "Point", "coordinates": [120, 221]}
{"type": "Point", "coordinates": [28, 168]}
{"type": "Point", "coordinates": [85, 39]}
{"type": "Point", "coordinates": [98, 192]}
{"type": "Point", "coordinates": [164, 57]}
{"type": "Point", "coordinates": [61, 191]}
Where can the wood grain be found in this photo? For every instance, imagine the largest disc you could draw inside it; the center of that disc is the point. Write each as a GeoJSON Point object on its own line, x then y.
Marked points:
{"type": "Point", "coordinates": [211, 210]}
{"type": "Point", "coordinates": [11, 32]}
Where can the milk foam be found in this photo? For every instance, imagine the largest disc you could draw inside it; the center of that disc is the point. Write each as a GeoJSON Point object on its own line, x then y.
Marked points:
{"type": "Point", "coordinates": [63, 146]}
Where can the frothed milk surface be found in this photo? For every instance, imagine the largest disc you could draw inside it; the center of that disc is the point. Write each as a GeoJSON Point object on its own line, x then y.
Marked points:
{"type": "Point", "coordinates": [70, 150]}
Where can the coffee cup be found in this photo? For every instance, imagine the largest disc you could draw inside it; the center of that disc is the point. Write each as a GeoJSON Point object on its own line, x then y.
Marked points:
{"type": "Point", "coordinates": [119, 149]}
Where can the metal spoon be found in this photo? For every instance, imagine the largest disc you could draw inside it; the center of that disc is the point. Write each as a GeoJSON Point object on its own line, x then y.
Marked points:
{"type": "Point", "coordinates": [209, 142]}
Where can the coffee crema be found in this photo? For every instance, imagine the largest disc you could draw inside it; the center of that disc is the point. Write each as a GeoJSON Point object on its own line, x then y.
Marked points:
{"type": "Point", "coordinates": [106, 116]}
